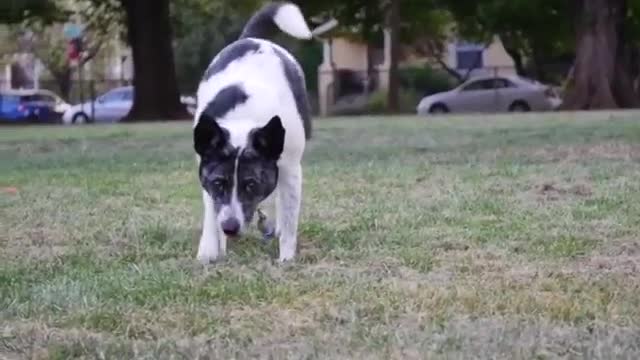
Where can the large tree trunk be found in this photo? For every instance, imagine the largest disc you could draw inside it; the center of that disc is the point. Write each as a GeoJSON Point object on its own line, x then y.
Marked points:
{"type": "Point", "coordinates": [393, 95]}
{"type": "Point", "coordinates": [156, 94]}
{"type": "Point", "coordinates": [601, 69]}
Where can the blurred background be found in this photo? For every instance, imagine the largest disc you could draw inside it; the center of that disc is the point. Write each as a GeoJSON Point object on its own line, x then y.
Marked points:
{"type": "Point", "coordinates": [83, 61]}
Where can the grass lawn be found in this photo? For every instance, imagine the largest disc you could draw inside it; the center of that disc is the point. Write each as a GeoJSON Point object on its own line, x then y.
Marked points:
{"type": "Point", "coordinates": [479, 237]}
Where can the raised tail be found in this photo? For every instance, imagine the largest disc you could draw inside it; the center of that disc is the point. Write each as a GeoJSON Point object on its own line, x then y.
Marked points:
{"type": "Point", "coordinates": [281, 15]}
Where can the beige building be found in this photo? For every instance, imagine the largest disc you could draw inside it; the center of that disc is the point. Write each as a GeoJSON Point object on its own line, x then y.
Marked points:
{"type": "Point", "coordinates": [342, 55]}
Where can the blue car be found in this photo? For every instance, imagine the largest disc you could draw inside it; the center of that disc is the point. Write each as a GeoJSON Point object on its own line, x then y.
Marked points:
{"type": "Point", "coordinates": [18, 106]}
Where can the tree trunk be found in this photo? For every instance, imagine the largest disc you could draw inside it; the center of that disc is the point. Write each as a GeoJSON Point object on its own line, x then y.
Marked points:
{"type": "Point", "coordinates": [515, 52]}
{"type": "Point", "coordinates": [601, 69]}
{"type": "Point", "coordinates": [63, 80]}
{"type": "Point", "coordinates": [518, 60]}
{"type": "Point", "coordinates": [156, 94]}
{"type": "Point", "coordinates": [393, 96]}
{"type": "Point", "coordinates": [537, 61]}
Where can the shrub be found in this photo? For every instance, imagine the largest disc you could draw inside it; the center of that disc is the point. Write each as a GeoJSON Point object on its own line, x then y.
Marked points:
{"type": "Point", "coordinates": [377, 102]}
{"type": "Point", "coordinates": [425, 80]}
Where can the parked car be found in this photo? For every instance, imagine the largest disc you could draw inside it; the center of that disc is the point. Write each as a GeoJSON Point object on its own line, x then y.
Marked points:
{"type": "Point", "coordinates": [492, 94]}
{"type": "Point", "coordinates": [31, 105]}
{"type": "Point", "coordinates": [111, 106]}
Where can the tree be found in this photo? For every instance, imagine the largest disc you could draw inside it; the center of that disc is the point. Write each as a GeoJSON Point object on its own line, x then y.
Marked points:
{"type": "Point", "coordinates": [601, 77]}
{"type": "Point", "coordinates": [534, 33]}
{"type": "Point", "coordinates": [16, 11]}
{"type": "Point", "coordinates": [393, 102]}
{"type": "Point", "coordinates": [101, 22]}
{"type": "Point", "coordinates": [421, 23]}
{"type": "Point", "coordinates": [149, 34]}
{"type": "Point", "coordinates": [201, 29]}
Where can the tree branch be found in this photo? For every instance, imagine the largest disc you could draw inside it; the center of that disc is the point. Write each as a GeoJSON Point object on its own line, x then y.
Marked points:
{"type": "Point", "coordinates": [91, 53]}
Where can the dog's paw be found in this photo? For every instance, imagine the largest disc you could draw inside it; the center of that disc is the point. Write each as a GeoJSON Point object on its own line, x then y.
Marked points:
{"type": "Point", "coordinates": [286, 256]}
{"type": "Point", "coordinates": [207, 257]}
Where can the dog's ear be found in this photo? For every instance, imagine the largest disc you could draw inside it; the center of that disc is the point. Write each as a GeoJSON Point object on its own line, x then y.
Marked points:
{"type": "Point", "coordinates": [208, 136]}
{"type": "Point", "coordinates": [268, 140]}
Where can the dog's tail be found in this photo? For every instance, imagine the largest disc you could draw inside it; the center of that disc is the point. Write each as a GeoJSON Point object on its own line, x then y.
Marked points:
{"type": "Point", "coordinates": [282, 15]}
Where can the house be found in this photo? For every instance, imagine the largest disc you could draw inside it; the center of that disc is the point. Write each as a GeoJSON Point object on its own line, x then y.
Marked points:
{"type": "Point", "coordinates": [343, 71]}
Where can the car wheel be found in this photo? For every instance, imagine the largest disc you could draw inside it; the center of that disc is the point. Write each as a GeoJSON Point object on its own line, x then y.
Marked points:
{"type": "Point", "coordinates": [438, 109]}
{"type": "Point", "coordinates": [519, 106]}
{"type": "Point", "coordinates": [80, 118]}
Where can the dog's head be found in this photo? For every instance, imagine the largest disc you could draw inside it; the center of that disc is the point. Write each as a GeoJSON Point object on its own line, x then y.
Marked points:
{"type": "Point", "coordinates": [238, 178]}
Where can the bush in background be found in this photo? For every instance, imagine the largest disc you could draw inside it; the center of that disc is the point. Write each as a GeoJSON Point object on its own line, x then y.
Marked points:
{"type": "Point", "coordinates": [425, 80]}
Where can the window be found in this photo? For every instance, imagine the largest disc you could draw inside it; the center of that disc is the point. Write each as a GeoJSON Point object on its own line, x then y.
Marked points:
{"type": "Point", "coordinates": [8, 103]}
{"type": "Point", "coordinates": [113, 95]}
{"type": "Point", "coordinates": [127, 95]}
{"type": "Point", "coordinates": [469, 56]}
{"type": "Point", "coordinates": [469, 59]}
{"type": "Point", "coordinates": [479, 85]}
{"type": "Point", "coordinates": [39, 98]}
{"type": "Point", "coordinates": [501, 83]}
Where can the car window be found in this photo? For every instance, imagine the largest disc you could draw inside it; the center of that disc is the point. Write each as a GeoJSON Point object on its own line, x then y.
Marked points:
{"type": "Point", "coordinates": [39, 98]}
{"type": "Point", "coordinates": [113, 95]}
{"type": "Point", "coordinates": [48, 98]}
{"type": "Point", "coordinates": [127, 95]}
{"type": "Point", "coordinates": [501, 83]}
{"type": "Point", "coordinates": [8, 102]}
{"type": "Point", "coordinates": [479, 85]}
{"type": "Point", "coordinates": [28, 98]}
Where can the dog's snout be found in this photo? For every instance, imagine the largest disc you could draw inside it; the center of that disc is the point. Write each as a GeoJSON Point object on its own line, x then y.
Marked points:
{"type": "Point", "coordinates": [231, 227]}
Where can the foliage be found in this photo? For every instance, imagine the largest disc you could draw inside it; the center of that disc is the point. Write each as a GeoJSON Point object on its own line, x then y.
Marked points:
{"type": "Point", "coordinates": [201, 29]}
{"type": "Point", "coordinates": [535, 31]}
{"type": "Point", "coordinates": [377, 103]}
{"type": "Point", "coordinates": [425, 80]}
{"type": "Point", "coordinates": [101, 22]}
{"type": "Point", "coordinates": [365, 19]}
{"type": "Point", "coordinates": [16, 11]}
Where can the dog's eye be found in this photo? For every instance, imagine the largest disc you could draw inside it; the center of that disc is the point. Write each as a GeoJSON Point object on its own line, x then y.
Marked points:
{"type": "Point", "coordinates": [218, 184]}
{"type": "Point", "coordinates": [249, 186]}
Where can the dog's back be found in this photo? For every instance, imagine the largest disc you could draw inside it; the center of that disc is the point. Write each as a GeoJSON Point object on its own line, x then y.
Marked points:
{"type": "Point", "coordinates": [253, 78]}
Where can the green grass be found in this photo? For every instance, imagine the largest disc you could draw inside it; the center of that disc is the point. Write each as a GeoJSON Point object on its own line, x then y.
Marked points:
{"type": "Point", "coordinates": [455, 237]}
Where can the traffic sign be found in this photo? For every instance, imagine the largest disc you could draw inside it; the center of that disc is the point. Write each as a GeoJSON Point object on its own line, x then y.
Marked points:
{"type": "Point", "coordinates": [72, 31]}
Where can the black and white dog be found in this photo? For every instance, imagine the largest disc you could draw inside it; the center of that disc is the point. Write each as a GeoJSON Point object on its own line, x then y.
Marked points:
{"type": "Point", "coordinates": [250, 129]}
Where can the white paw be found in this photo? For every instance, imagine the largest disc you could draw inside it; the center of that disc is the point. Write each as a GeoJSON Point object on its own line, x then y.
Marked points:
{"type": "Point", "coordinates": [286, 255]}
{"type": "Point", "coordinates": [207, 256]}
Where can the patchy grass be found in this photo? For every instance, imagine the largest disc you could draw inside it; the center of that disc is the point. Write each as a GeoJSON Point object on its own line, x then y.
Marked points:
{"type": "Point", "coordinates": [454, 237]}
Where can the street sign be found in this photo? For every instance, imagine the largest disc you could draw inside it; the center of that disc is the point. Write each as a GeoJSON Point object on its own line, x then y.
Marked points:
{"type": "Point", "coordinates": [72, 31]}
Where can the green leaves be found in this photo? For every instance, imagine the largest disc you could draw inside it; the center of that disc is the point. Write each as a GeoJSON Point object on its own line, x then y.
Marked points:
{"type": "Point", "coordinates": [16, 11]}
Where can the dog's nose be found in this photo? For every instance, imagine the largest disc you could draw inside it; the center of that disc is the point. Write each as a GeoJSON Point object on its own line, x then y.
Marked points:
{"type": "Point", "coordinates": [231, 227]}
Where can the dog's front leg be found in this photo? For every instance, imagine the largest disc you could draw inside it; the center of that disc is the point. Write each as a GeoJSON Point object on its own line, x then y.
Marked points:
{"type": "Point", "coordinates": [288, 209]}
{"type": "Point", "coordinates": [209, 248]}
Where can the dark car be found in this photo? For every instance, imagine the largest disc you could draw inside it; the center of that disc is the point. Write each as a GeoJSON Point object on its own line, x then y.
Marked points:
{"type": "Point", "coordinates": [18, 106]}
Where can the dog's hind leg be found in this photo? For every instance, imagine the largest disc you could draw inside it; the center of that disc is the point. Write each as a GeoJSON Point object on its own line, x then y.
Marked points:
{"type": "Point", "coordinates": [209, 248]}
{"type": "Point", "coordinates": [288, 209]}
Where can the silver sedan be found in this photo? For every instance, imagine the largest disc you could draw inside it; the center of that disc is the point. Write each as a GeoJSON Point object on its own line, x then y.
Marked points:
{"type": "Point", "coordinates": [492, 94]}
